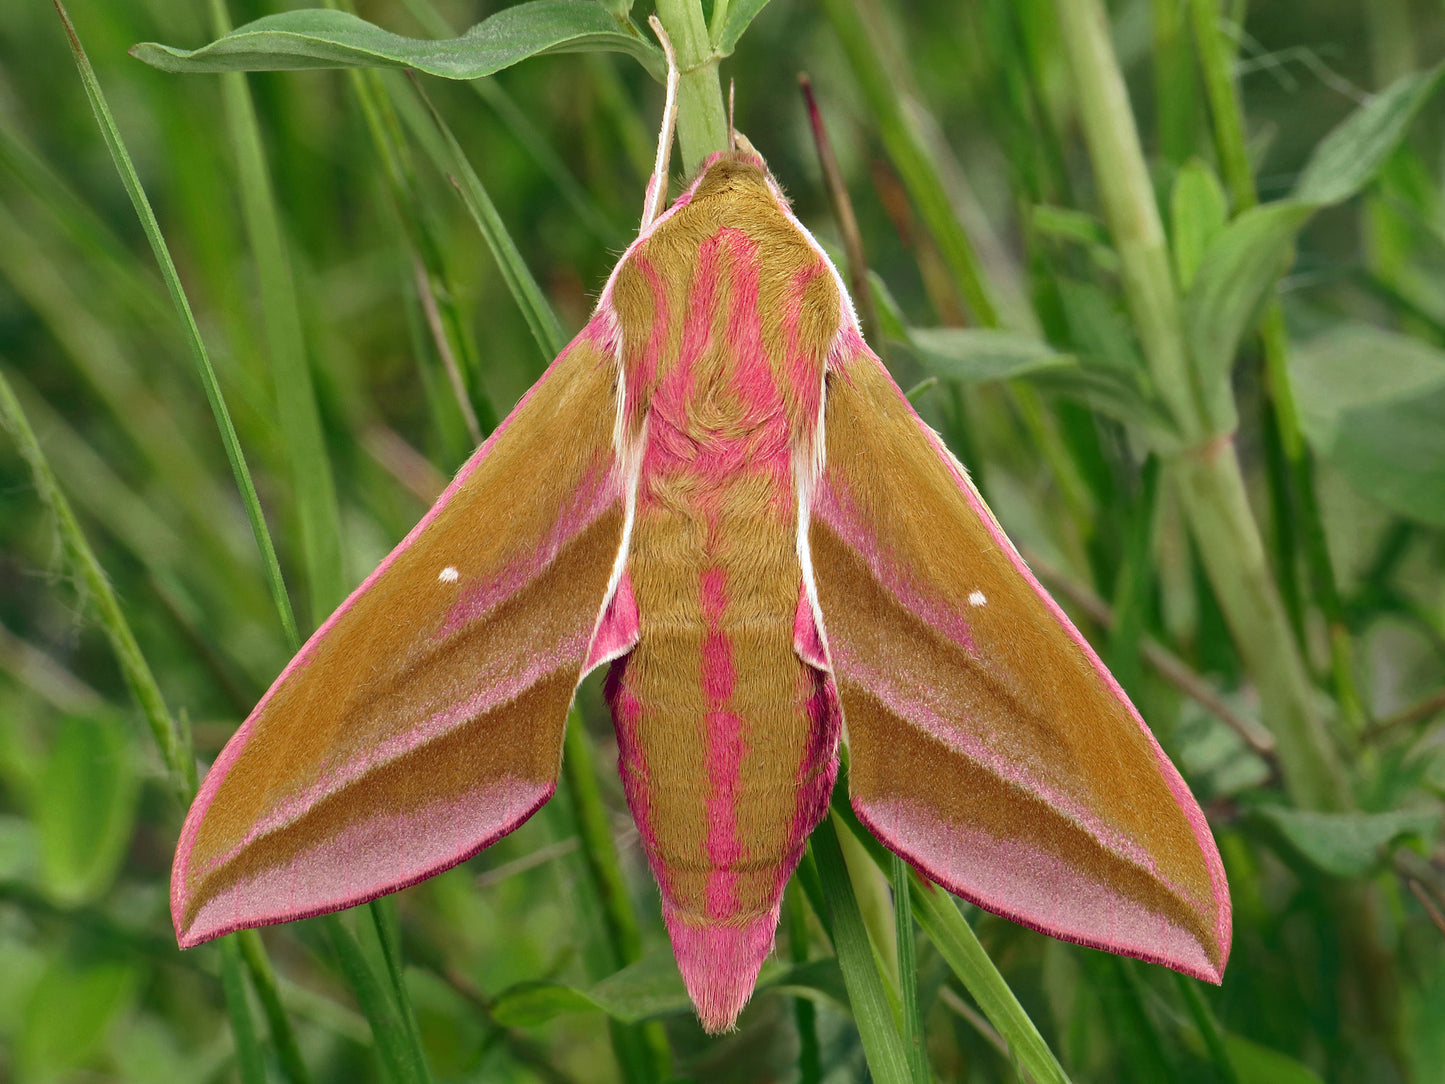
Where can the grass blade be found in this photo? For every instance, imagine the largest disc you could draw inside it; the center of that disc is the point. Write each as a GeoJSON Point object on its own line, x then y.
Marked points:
{"type": "Point", "coordinates": [906, 147]}
{"type": "Point", "coordinates": [136, 670]}
{"type": "Point", "coordinates": [315, 492]}
{"type": "Point", "coordinates": [810, 1070]}
{"type": "Point", "coordinates": [884, 1049]}
{"type": "Point", "coordinates": [951, 934]}
{"type": "Point", "coordinates": [263, 979]}
{"type": "Point", "coordinates": [116, 145]}
{"type": "Point", "coordinates": [250, 1059]}
{"type": "Point", "coordinates": [447, 155]}
{"type": "Point", "coordinates": [393, 1040]}
{"type": "Point", "coordinates": [913, 1045]}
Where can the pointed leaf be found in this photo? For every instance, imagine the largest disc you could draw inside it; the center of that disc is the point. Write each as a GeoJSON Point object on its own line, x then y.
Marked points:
{"type": "Point", "coordinates": [1349, 844]}
{"type": "Point", "coordinates": [881, 1042]}
{"type": "Point", "coordinates": [322, 38]}
{"type": "Point", "coordinates": [1371, 403]}
{"type": "Point", "coordinates": [740, 16]}
{"type": "Point", "coordinates": [1347, 159]}
{"type": "Point", "coordinates": [1257, 1064]}
{"type": "Point", "coordinates": [653, 988]}
{"type": "Point", "coordinates": [529, 1004]}
{"type": "Point", "coordinates": [85, 808]}
{"type": "Point", "coordinates": [69, 1014]}
{"type": "Point", "coordinates": [974, 355]}
{"type": "Point", "coordinates": [1198, 212]}
{"type": "Point", "coordinates": [1236, 276]}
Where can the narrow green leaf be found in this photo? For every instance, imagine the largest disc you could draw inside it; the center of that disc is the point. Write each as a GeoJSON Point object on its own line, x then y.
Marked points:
{"type": "Point", "coordinates": [85, 808]}
{"type": "Point", "coordinates": [1372, 404]}
{"type": "Point", "coordinates": [1198, 212]}
{"type": "Point", "coordinates": [323, 38]}
{"type": "Point", "coordinates": [1076, 227]}
{"type": "Point", "coordinates": [739, 17]}
{"type": "Point", "coordinates": [387, 925]}
{"type": "Point", "coordinates": [447, 155]}
{"type": "Point", "coordinates": [263, 979]}
{"type": "Point", "coordinates": [974, 355]}
{"type": "Point", "coordinates": [1209, 1033]}
{"type": "Point", "coordinates": [881, 1042]}
{"type": "Point", "coordinates": [1349, 157]}
{"type": "Point", "coordinates": [956, 942]}
{"type": "Point", "coordinates": [1236, 278]}
{"type": "Point", "coordinates": [1350, 844]}
{"type": "Point", "coordinates": [884, 79]}
{"type": "Point", "coordinates": [250, 1059]}
{"type": "Point", "coordinates": [129, 178]}
{"type": "Point", "coordinates": [296, 408]}
{"type": "Point", "coordinates": [393, 1040]}
{"type": "Point", "coordinates": [914, 1047]}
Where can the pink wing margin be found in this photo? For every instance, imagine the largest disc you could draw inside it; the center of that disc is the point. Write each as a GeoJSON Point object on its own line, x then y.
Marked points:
{"type": "Point", "coordinates": [990, 745]}
{"type": "Point", "coordinates": [424, 719]}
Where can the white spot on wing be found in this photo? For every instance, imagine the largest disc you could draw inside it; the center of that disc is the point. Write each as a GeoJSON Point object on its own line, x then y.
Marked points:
{"type": "Point", "coordinates": [976, 598]}
{"type": "Point", "coordinates": [451, 575]}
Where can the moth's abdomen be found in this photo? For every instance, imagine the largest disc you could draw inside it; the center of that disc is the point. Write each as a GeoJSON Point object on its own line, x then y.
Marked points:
{"type": "Point", "coordinates": [726, 737]}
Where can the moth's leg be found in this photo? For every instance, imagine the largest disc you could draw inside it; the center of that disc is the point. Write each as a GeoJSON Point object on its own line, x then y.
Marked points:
{"type": "Point", "coordinates": [732, 100]}
{"type": "Point", "coordinates": [656, 197]}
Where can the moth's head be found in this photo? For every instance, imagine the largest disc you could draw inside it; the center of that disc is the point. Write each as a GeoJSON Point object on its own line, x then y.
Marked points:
{"type": "Point", "coordinates": [736, 173]}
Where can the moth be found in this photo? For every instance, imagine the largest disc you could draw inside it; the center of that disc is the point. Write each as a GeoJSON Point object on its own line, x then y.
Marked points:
{"type": "Point", "coordinates": [718, 492]}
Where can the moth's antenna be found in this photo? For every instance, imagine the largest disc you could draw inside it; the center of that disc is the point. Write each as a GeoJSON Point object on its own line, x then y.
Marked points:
{"type": "Point", "coordinates": [656, 196]}
{"type": "Point", "coordinates": [732, 100]}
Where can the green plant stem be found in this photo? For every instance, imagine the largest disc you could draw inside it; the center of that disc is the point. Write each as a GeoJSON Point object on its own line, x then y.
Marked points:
{"type": "Point", "coordinates": [1209, 479]}
{"type": "Point", "coordinates": [1211, 490]}
{"type": "Point", "coordinates": [854, 23]}
{"type": "Point", "coordinates": [169, 737]}
{"type": "Point", "coordinates": [959, 945]}
{"type": "Point", "coordinates": [1203, 1017]}
{"type": "Point", "coordinates": [1216, 65]}
{"type": "Point", "coordinates": [702, 121]}
{"type": "Point", "coordinates": [1130, 208]}
{"type": "Point", "coordinates": [446, 153]}
{"type": "Point", "coordinates": [133, 666]}
{"type": "Point", "coordinates": [599, 849]}
{"type": "Point", "coordinates": [403, 1060]}
{"type": "Point", "coordinates": [263, 980]}
{"type": "Point", "coordinates": [1216, 57]}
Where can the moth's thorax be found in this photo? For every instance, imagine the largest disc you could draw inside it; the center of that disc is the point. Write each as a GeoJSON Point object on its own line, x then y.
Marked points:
{"type": "Point", "coordinates": [726, 312]}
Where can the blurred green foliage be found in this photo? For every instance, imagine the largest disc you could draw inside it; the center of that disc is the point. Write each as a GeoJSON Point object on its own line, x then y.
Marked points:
{"type": "Point", "coordinates": [978, 204]}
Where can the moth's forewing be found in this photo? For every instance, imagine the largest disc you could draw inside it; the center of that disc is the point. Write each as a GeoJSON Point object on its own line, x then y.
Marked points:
{"type": "Point", "coordinates": [425, 718]}
{"type": "Point", "coordinates": [989, 744]}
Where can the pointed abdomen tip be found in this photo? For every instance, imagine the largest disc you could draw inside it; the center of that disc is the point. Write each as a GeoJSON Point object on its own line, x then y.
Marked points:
{"type": "Point", "coordinates": [720, 962]}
